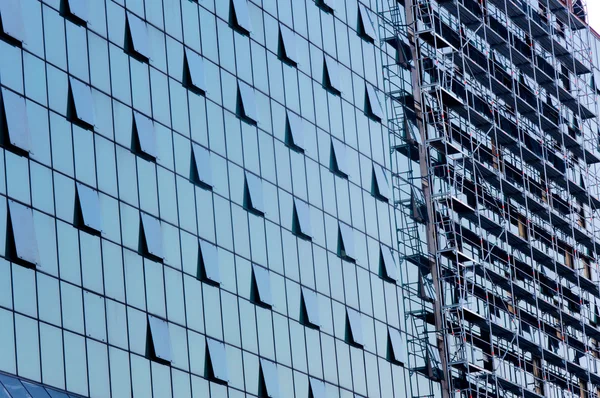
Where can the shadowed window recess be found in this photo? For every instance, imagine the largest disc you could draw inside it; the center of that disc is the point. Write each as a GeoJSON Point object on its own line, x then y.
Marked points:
{"type": "Point", "coordinates": [11, 20]}
{"type": "Point", "coordinates": [331, 75]}
{"type": "Point", "coordinates": [137, 43]}
{"type": "Point", "coordinates": [144, 137]}
{"type": "Point", "coordinates": [268, 379]}
{"type": "Point", "coordinates": [261, 286]}
{"type": "Point", "coordinates": [346, 242]}
{"type": "Point", "coordinates": [21, 237]}
{"type": "Point", "coordinates": [372, 104]}
{"type": "Point", "coordinates": [151, 244]}
{"type": "Point", "coordinates": [77, 10]}
{"type": "Point", "coordinates": [193, 72]}
{"type": "Point", "coordinates": [338, 163]}
{"type": "Point", "coordinates": [387, 264]}
{"type": "Point", "coordinates": [201, 167]}
{"type": "Point", "coordinates": [294, 132]}
{"type": "Point", "coordinates": [287, 45]}
{"type": "Point", "coordinates": [380, 186]}
{"type": "Point", "coordinates": [239, 17]}
{"type": "Point", "coordinates": [216, 361]}
{"type": "Point", "coordinates": [366, 28]}
{"type": "Point", "coordinates": [81, 105]}
{"type": "Point", "coordinates": [88, 215]}
{"type": "Point", "coordinates": [246, 103]}
{"type": "Point", "coordinates": [14, 122]}
{"type": "Point", "coordinates": [158, 344]}
{"type": "Point", "coordinates": [253, 194]}
{"type": "Point", "coordinates": [301, 221]}
{"type": "Point", "coordinates": [208, 267]}
{"type": "Point", "coordinates": [354, 333]}
{"type": "Point", "coordinates": [310, 309]}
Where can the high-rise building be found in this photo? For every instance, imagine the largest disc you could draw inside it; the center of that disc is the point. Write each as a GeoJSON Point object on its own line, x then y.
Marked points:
{"type": "Point", "coordinates": [196, 200]}
{"type": "Point", "coordinates": [496, 115]}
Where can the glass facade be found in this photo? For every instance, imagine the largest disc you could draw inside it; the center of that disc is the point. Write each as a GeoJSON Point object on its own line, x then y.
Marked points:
{"type": "Point", "coordinates": [196, 200]}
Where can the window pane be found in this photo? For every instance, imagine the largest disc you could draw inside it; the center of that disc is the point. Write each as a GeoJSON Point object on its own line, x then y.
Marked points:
{"type": "Point", "coordinates": [137, 43]}
{"type": "Point", "coordinates": [160, 343]}
{"type": "Point", "coordinates": [194, 71]}
{"type": "Point", "coordinates": [366, 24]}
{"type": "Point", "coordinates": [294, 136]}
{"type": "Point", "coordinates": [239, 17]}
{"type": "Point", "coordinates": [287, 45]}
{"type": "Point", "coordinates": [346, 242]}
{"type": "Point", "coordinates": [151, 244]}
{"type": "Point", "coordinates": [209, 262]}
{"type": "Point", "coordinates": [145, 136]}
{"type": "Point", "coordinates": [246, 104]}
{"type": "Point", "coordinates": [301, 222]}
{"type": "Point", "coordinates": [78, 9]}
{"type": "Point", "coordinates": [388, 264]}
{"type": "Point", "coordinates": [354, 334]}
{"type": "Point", "coordinates": [12, 19]}
{"type": "Point", "coordinates": [338, 163]}
{"type": "Point", "coordinates": [88, 208]}
{"type": "Point", "coordinates": [261, 286]}
{"type": "Point", "coordinates": [310, 308]}
{"type": "Point", "coordinates": [218, 361]}
{"type": "Point", "coordinates": [332, 76]}
{"type": "Point", "coordinates": [253, 197]}
{"type": "Point", "coordinates": [81, 107]}
{"type": "Point", "coordinates": [202, 171]}
{"type": "Point", "coordinates": [381, 188]}
{"type": "Point", "coordinates": [373, 104]}
{"type": "Point", "coordinates": [269, 379]}
{"type": "Point", "coordinates": [24, 242]}
{"type": "Point", "coordinates": [17, 122]}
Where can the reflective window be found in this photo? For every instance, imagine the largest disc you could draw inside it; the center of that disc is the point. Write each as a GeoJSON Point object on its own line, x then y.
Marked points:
{"type": "Point", "coordinates": [144, 142]}
{"type": "Point", "coordinates": [287, 45]}
{"type": "Point", "coordinates": [365, 26]}
{"type": "Point", "coordinates": [23, 245]}
{"type": "Point", "coordinates": [301, 222]}
{"type": "Point", "coordinates": [193, 75]}
{"type": "Point", "coordinates": [246, 103]}
{"type": "Point", "coordinates": [35, 390]}
{"type": "Point", "coordinates": [14, 123]}
{"type": "Point", "coordinates": [269, 379]}
{"type": "Point", "coordinates": [151, 239]}
{"type": "Point", "coordinates": [217, 361]}
{"type": "Point", "coordinates": [346, 242]}
{"type": "Point", "coordinates": [338, 163]}
{"type": "Point", "coordinates": [373, 105]}
{"type": "Point", "coordinates": [396, 347]}
{"type": "Point", "coordinates": [13, 386]}
{"type": "Point", "coordinates": [81, 105]}
{"type": "Point", "coordinates": [239, 17]}
{"type": "Point", "coordinates": [354, 332]}
{"type": "Point", "coordinates": [317, 388]}
{"type": "Point", "coordinates": [209, 262]}
{"type": "Point", "coordinates": [387, 263]}
{"type": "Point", "coordinates": [202, 170]}
{"type": "Point", "coordinates": [88, 213]}
{"type": "Point", "coordinates": [253, 195]}
{"type": "Point", "coordinates": [159, 346]}
{"type": "Point", "coordinates": [380, 185]}
{"type": "Point", "coordinates": [261, 286]}
{"type": "Point", "coordinates": [136, 40]}
{"type": "Point", "coordinates": [78, 9]}
{"type": "Point", "coordinates": [12, 19]}
{"type": "Point", "coordinates": [332, 75]}
{"type": "Point", "coordinates": [294, 134]}
{"type": "Point", "coordinates": [310, 308]}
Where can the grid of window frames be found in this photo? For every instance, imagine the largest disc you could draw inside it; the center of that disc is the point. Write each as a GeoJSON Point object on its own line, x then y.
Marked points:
{"type": "Point", "coordinates": [196, 201]}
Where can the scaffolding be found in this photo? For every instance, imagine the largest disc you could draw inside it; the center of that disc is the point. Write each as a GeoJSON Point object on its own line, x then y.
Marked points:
{"type": "Point", "coordinates": [495, 159]}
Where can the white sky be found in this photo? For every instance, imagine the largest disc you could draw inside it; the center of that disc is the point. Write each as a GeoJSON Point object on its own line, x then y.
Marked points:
{"type": "Point", "coordinates": [593, 10]}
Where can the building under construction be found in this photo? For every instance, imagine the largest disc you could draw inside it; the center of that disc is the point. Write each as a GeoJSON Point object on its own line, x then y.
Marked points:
{"type": "Point", "coordinates": [494, 136]}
